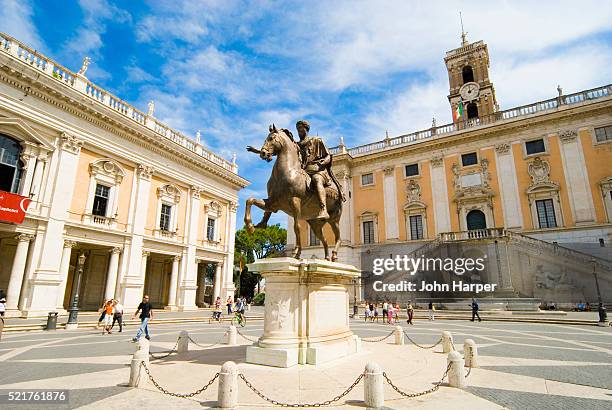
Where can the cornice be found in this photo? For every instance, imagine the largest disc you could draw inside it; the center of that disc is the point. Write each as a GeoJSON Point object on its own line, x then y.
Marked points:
{"type": "Point", "coordinates": [52, 91]}
{"type": "Point", "coordinates": [470, 135]}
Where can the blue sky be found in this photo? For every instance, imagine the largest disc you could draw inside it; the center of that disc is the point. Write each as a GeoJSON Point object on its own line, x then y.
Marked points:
{"type": "Point", "coordinates": [352, 68]}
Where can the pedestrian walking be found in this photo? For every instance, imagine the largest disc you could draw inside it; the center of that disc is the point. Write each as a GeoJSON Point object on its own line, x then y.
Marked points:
{"type": "Point", "coordinates": [390, 311]}
{"type": "Point", "coordinates": [146, 313]}
{"type": "Point", "coordinates": [432, 310]}
{"type": "Point", "coordinates": [396, 309]}
{"type": "Point", "coordinates": [410, 311]}
{"type": "Point", "coordinates": [367, 313]}
{"type": "Point", "coordinates": [2, 306]}
{"type": "Point", "coordinates": [475, 311]}
{"type": "Point", "coordinates": [2, 294]}
{"type": "Point", "coordinates": [108, 316]}
{"type": "Point", "coordinates": [118, 315]}
{"type": "Point", "coordinates": [103, 313]}
{"type": "Point", "coordinates": [385, 311]}
{"type": "Point", "coordinates": [217, 312]}
{"type": "Point", "coordinates": [375, 313]}
{"type": "Point", "coordinates": [229, 304]}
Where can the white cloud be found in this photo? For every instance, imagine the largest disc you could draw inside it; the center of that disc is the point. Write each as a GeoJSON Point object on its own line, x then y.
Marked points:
{"type": "Point", "coordinates": [16, 17]}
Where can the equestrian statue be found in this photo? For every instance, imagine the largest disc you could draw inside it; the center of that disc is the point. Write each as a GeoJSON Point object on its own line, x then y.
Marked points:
{"type": "Point", "coordinates": [302, 185]}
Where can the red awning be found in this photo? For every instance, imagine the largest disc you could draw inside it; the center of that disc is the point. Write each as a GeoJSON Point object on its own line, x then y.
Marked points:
{"type": "Point", "coordinates": [13, 207]}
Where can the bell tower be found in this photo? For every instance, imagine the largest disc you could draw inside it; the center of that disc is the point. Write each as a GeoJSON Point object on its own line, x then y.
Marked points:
{"type": "Point", "coordinates": [472, 96]}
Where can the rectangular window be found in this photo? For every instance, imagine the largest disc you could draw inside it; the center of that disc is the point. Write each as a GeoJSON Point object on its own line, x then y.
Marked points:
{"type": "Point", "coordinates": [603, 134]}
{"type": "Point", "coordinates": [100, 202]}
{"type": "Point", "coordinates": [535, 147]}
{"type": "Point", "coordinates": [546, 213]}
{"type": "Point", "coordinates": [416, 227]}
{"type": "Point", "coordinates": [314, 241]}
{"type": "Point", "coordinates": [412, 170]}
{"type": "Point", "coordinates": [469, 159]}
{"type": "Point", "coordinates": [164, 217]}
{"type": "Point", "coordinates": [368, 232]}
{"type": "Point", "coordinates": [367, 179]}
{"type": "Point", "coordinates": [210, 229]}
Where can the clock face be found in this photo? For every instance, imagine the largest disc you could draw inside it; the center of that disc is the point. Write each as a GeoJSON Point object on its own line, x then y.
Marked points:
{"type": "Point", "coordinates": [469, 91]}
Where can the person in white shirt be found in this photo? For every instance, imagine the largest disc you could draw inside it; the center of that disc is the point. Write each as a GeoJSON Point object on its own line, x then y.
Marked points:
{"type": "Point", "coordinates": [118, 315]}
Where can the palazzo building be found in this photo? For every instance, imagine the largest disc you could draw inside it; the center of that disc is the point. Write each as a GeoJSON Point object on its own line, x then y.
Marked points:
{"type": "Point", "coordinates": [147, 209]}
{"type": "Point", "coordinates": [529, 187]}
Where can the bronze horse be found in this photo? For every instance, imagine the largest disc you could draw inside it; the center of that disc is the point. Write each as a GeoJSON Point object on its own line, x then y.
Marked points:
{"type": "Point", "coordinates": [289, 190]}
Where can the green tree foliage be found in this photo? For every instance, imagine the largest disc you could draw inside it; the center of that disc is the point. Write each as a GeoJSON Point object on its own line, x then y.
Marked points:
{"type": "Point", "coordinates": [264, 243]}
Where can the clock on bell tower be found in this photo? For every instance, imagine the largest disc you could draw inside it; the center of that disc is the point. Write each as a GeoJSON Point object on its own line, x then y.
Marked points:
{"type": "Point", "coordinates": [468, 77]}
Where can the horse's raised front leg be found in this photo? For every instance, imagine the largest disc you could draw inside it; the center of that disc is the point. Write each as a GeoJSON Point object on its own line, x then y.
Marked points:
{"type": "Point", "coordinates": [264, 221]}
{"type": "Point", "coordinates": [260, 203]}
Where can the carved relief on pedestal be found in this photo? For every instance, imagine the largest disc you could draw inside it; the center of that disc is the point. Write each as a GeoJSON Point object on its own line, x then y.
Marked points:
{"type": "Point", "coordinates": [278, 315]}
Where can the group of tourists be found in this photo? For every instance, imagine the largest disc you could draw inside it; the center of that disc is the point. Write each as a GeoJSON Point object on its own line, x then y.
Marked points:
{"type": "Point", "coordinates": [112, 311]}
{"type": "Point", "coordinates": [239, 305]}
{"type": "Point", "coordinates": [390, 312]}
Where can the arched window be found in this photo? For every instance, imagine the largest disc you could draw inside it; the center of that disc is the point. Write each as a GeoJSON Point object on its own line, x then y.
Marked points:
{"type": "Point", "coordinates": [10, 164]}
{"type": "Point", "coordinates": [472, 111]}
{"type": "Point", "coordinates": [468, 74]}
{"type": "Point", "coordinates": [476, 220]}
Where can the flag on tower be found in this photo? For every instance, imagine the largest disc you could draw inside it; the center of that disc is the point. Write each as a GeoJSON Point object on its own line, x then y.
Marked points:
{"type": "Point", "coordinates": [458, 113]}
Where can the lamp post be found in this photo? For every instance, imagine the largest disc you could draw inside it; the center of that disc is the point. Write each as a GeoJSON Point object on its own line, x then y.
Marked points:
{"type": "Point", "coordinates": [74, 306]}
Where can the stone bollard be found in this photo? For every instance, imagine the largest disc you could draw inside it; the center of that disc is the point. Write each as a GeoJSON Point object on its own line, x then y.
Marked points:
{"type": "Point", "coordinates": [231, 335]}
{"type": "Point", "coordinates": [138, 377]}
{"type": "Point", "coordinates": [470, 352]}
{"type": "Point", "coordinates": [373, 391]}
{"type": "Point", "coordinates": [143, 344]}
{"type": "Point", "coordinates": [183, 342]}
{"type": "Point", "coordinates": [456, 373]}
{"type": "Point", "coordinates": [399, 335]}
{"type": "Point", "coordinates": [227, 395]}
{"type": "Point", "coordinates": [447, 342]}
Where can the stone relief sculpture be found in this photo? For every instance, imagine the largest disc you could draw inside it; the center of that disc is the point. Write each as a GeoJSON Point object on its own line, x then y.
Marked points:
{"type": "Point", "coordinates": [302, 185]}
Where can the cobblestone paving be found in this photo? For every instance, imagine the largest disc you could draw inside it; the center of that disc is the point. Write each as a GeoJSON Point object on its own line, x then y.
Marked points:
{"type": "Point", "coordinates": [529, 354]}
{"type": "Point", "coordinates": [528, 401]}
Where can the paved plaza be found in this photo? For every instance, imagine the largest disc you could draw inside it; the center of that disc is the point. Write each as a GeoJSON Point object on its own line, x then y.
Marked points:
{"type": "Point", "coordinates": [522, 365]}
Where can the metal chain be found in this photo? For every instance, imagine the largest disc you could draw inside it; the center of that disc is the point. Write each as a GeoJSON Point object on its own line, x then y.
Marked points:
{"type": "Point", "coordinates": [412, 395]}
{"type": "Point", "coordinates": [166, 353]}
{"type": "Point", "coordinates": [378, 339]}
{"type": "Point", "coordinates": [453, 344]}
{"type": "Point", "coordinates": [208, 345]}
{"type": "Point", "coordinates": [319, 404]}
{"type": "Point", "coordinates": [250, 339]}
{"type": "Point", "coordinates": [184, 396]}
{"type": "Point", "coordinates": [469, 368]}
{"type": "Point", "coordinates": [421, 346]}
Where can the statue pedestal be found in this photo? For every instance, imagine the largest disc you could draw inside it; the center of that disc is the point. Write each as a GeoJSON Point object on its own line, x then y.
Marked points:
{"type": "Point", "coordinates": [306, 312]}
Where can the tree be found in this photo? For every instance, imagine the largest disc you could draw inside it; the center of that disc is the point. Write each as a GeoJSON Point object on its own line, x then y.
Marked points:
{"type": "Point", "coordinates": [264, 243]}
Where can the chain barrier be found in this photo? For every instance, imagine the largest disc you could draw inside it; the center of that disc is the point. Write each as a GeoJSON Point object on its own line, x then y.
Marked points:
{"type": "Point", "coordinates": [250, 339]}
{"type": "Point", "coordinates": [378, 339]}
{"type": "Point", "coordinates": [422, 346]}
{"type": "Point", "coordinates": [211, 344]}
{"type": "Point", "coordinates": [184, 396]}
{"type": "Point", "coordinates": [412, 395]}
{"type": "Point", "coordinates": [166, 353]}
{"type": "Point", "coordinates": [453, 344]}
{"type": "Point", "coordinates": [319, 404]}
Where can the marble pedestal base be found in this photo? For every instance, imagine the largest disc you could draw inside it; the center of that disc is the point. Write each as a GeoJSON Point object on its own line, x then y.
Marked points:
{"type": "Point", "coordinates": [306, 312]}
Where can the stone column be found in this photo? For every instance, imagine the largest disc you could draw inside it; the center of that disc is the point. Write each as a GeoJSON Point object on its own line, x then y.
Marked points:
{"type": "Point", "coordinates": [390, 204]}
{"type": "Point", "coordinates": [440, 196]}
{"type": "Point", "coordinates": [143, 264]}
{"type": "Point", "coordinates": [346, 219]}
{"type": "Point", "coordinates": [111, 277]}
{"type": "Point", "coordinates": [173, 282]}
{"type": "Point", "coordinates": [37, 179]}
{"type": "Point", "coordinates": [217, 281]}
{"type": "Point", "coordinates": [29, 161]}
{"type": "Point", "coordinates": [508, 186]}
{"type": "Point", "coordinates": [576, 177]}
{"type": "Point", "coordinates": [228, 285]}
{"type": "Point", "coordinates": [17, 271]}
{"type": "Point", "coordinates": [64, 267]}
